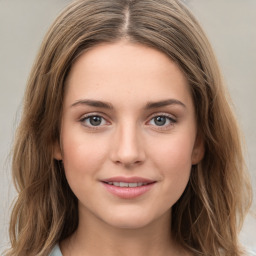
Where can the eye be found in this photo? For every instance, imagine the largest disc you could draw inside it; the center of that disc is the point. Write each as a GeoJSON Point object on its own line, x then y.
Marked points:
{"type": "Point", "coordinates": [93, 121]}
{"type": "Point", "coordinates": [162, 121]}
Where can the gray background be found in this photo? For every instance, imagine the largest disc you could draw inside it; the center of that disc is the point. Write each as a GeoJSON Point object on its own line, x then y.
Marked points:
{"type": "Point", "coordinates": [229, 24]}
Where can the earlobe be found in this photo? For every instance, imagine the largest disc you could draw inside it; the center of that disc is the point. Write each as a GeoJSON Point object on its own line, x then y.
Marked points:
{"type": "Point", "coordinates": [57, 154]}
{"type": "Point", "coordinates": [198, 151]}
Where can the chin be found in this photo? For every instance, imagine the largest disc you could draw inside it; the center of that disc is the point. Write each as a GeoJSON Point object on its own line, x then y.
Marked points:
{"type": "Point", "coordinates": [129, 223]}
{"type": "Point", "coordinates": [129, 220]}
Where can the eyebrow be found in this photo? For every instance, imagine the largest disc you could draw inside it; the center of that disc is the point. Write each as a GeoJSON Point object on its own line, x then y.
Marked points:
{"type": "Point", "coordinates": [93, 103]}
{"type": "Point", "coordinates": [107, 105]}
{"type": "Point", "coordinates": [164, 103]}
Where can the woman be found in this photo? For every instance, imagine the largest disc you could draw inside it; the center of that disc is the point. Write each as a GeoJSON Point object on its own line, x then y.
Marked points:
{"type": "Point", "coordinates": [127, 143]}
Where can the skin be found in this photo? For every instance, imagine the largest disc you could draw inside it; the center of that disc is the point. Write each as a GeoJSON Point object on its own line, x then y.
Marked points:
{"type": "Point", "coordinates": [127, 141]}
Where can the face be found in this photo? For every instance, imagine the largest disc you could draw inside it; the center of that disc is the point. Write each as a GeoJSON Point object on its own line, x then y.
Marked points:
{"type": "Point", "coordinates": [128, 134]}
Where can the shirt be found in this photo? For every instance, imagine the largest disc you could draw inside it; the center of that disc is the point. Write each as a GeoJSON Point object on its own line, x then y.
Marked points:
{"type": "Point", "coordinates": [56, 251]}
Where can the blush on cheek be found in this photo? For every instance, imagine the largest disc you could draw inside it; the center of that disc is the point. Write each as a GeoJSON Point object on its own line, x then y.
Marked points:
{"type": "Point", "coordinates": [177, 154]}
{"type": "Point", "coordinates": [82, 157]}
{"type": "Point", "coordinates": [174, 162]}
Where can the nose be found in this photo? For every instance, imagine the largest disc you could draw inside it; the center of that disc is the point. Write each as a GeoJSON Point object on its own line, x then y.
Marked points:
{"type": "Point", "coordinates": [127, 147]}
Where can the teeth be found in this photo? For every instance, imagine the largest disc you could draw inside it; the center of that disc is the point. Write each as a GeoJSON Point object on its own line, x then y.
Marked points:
{"type": "Point", "coordinates": [125, 184]}
{"type": "Point", "coordinates": [133, 185]}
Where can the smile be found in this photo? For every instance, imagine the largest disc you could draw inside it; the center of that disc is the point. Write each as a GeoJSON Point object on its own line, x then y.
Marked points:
{"type": "Point", "coordinates": [126, 184]}
{"type": "Point", "coordinates": [128, 187]}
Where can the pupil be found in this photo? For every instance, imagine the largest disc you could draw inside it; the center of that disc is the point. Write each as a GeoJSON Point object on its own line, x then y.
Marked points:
{"type": "Point", "coordinates": [160, 120]}
{"type": "Point", "coordinates": [95, 120]}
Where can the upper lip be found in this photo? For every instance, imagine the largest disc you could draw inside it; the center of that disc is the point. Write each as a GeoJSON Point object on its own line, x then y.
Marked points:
{"type": "Point", "coordinates": [129, 180]}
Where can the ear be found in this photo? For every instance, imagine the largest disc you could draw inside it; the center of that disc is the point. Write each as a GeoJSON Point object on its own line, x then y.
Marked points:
{"type": "Point", "coordinates": [57, 154]}
{"type": "Point", "coordinates": [198, 150]}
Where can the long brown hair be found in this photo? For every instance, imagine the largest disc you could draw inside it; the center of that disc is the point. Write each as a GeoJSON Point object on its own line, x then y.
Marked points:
{"type": "Point", "coordinates": [207, 217]}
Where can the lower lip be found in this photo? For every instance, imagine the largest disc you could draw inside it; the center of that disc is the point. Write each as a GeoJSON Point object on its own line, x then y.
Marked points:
{"type": "Point", "coordinates": [127, 192]}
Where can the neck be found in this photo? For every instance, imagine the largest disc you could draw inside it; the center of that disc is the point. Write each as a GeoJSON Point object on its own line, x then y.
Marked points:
{"type": "Point", "coordinates": [94, 236]}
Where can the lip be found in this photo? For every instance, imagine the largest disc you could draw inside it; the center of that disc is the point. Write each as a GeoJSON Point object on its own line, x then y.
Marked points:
{"type": "Point", "coordinates": [133, 179]}
{"type": "Point", "coordinates": [128, 192]}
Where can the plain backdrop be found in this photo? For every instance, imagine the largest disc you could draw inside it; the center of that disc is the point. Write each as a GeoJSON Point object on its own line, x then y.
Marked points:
{"type": "Point", "coordinates": [229, 24]}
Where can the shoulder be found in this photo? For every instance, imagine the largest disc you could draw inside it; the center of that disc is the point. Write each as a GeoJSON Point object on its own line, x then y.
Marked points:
{"type": "Point", "coordinates": [56, 251]}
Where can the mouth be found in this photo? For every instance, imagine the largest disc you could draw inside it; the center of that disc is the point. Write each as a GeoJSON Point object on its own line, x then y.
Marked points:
{"type": "Point", "coordinates": [128, 188]}
{"type": "Point", "coordinates": [127, 184]}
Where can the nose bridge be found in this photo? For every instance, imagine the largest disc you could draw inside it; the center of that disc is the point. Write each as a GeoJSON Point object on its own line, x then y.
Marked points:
{"type": "Point", "coordinates": [128, 144]}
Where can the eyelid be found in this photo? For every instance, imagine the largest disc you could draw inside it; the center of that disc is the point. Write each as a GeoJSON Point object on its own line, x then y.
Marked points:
{"type": "Point", "coordinates": [96, 113]}
{"type": "Point", "coordinates": [92, 114]}
{"type": "Point", "coordinates": [171, 116]}
{"type": "Point", "coordinates": [172, 119]}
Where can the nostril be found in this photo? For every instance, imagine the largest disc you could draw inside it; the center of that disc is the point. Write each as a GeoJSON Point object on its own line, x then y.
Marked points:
{"type": "Point", "coordinates": [127, 149]}
{"type": "Point", "coordinates": [129, 164]}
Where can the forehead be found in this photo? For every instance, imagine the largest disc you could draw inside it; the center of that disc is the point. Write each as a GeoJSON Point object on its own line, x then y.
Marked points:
{"type": "Point", "coordinates": [126, 71]}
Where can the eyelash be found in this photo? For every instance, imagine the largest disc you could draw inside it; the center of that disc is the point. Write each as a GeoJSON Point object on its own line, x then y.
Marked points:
{"type": "Point", "coordinates": [170, 118]}
{"type": "Point", "coordinates": [90, 116]}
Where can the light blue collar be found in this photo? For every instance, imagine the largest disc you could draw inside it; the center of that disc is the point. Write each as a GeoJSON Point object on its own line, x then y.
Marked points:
{"type": "Point", "coordinates": [56, 251]}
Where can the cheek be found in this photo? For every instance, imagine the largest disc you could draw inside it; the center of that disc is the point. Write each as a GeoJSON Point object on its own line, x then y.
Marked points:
{"type": "Point", "coordinates": [172, 158]}
{"type": "Point", "coordinates": [173, 152]}
{"type": "Point", "coordinates": [82, 155]}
